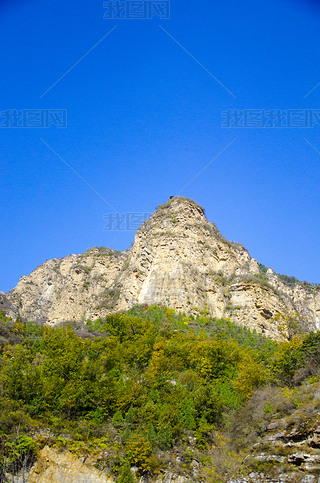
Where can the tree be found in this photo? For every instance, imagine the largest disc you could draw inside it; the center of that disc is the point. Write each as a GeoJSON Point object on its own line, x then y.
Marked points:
{"type": "Point", "coordinates": [290, 324]}
{"type": "Point", "coordinates": [126, 475]}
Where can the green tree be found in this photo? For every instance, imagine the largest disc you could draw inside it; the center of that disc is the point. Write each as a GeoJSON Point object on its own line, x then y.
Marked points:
{"type": "Point", "coordinates": [188, 414]}
{"type": "Point", "coordinates": [126, 475]}
{"type": "Point", "coordinates": [117, 420]}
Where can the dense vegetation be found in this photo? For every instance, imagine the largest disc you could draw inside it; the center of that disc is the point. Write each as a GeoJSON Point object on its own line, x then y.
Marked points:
{"type": "Point", "coordinates": [137, 387]}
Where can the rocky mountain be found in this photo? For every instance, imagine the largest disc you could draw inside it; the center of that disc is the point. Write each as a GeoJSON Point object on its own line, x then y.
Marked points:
{"type": "Point", "coordinates": [178, 259]}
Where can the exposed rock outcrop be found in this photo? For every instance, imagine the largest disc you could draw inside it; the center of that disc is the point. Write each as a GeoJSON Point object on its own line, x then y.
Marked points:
{"type": "Point", "coordinates": [63, 468]}
{"type": "Point", "coordinates": [7, 307]}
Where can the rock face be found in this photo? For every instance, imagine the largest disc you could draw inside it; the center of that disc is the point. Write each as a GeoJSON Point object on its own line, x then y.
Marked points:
{"type": "Point", "coordinates": [72, 288]}
{"type": "Point", "coordinates": [178, 259]}
{"type": "Point", "coordinates": [63, 468]}
{"type": "Point", "coordinates": [288, 438]}
{"type": "Point", "coordinates": [7, 307]}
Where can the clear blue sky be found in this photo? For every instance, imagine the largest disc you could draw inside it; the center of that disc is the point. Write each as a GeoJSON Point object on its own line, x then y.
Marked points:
{"type": "Point", "coordinates": [144, 118]}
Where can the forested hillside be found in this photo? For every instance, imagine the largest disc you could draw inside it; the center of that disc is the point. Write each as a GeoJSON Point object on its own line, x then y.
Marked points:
{"type": "Point", "coordinates": [150, 391]}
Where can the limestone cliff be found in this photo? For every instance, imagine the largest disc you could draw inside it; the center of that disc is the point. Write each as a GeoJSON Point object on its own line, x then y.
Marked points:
{"type": "Point", "coordinates": [178, 259]}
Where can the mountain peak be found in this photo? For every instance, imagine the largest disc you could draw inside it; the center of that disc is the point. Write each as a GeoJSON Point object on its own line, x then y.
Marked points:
{"type": "Point", "coordinates": [176, 203]}
{"type": "Point", "coordinates": [180, 208]}
{"type": "Point", "coordinates": [175, 217]}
